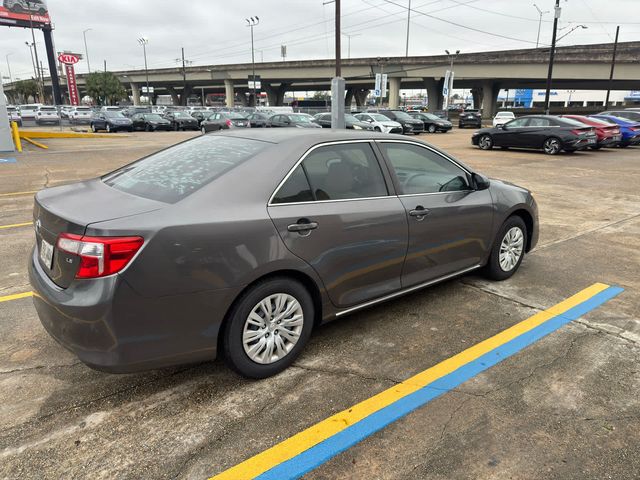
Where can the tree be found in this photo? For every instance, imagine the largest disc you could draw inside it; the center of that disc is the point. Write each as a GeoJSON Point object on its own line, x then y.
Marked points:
{"type": "Point", "coordinates": [26, 89]}
{"type": "Point", "coordinates": [105, 88]}
{"type": "Point", "coordinates": [319, 95]}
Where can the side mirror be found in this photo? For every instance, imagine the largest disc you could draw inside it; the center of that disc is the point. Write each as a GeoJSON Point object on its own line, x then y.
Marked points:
{"type": "Point", "coordinates": [480, 182]}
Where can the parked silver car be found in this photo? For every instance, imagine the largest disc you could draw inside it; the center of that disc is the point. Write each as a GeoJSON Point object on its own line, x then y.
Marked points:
{"type": "Point", "coordinates": [241, 242]}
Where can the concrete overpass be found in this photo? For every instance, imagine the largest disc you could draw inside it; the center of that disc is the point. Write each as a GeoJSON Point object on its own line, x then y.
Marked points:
{"type": "Point", "coordinates": [485, 73]}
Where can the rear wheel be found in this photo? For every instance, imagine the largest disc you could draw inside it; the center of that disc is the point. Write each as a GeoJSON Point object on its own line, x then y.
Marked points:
{"type": "Point", "coordinates": [108, 128]}
{"type": "Point", "coordinates": [551, 146]}
{"type": "Point", "coordinates": [508, 249]}
{"type": "Point", "coordinates": [596, 147]}
{"type": "Point", "coordinates": [203, 130]}
{"type": "Point", "coordinates": [268, 327]}
{"type": "Point", "coordinates": [432, 128]}
{"type": "Point", "coordinates": [485, 142]}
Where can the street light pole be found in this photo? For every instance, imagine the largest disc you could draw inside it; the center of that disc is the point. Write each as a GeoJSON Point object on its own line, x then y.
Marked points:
{"type": "Point", "coordinates": [613, 66]}
{"type": "Point", "coordinates": [9, 67]}
{"type": "Point", "coordinates": [144, 41]}
{"type": "Point", "coordinates": [35, 51]}
{"type": "Point", "coordinates": [541, 13]}
{"type": "Point", "coordinates": [452, 57]}
{"type": "Point", "coordinates": [406, 50]}
{"type": "Point", "coordinates": [86, 50]}
{"type": "Point", "coordinates": [253, 22]}
{"type": "Point", "coordinates": [552, 53]}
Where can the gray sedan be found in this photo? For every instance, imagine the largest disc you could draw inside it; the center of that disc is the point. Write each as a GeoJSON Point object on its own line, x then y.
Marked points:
{"type": "Point", "coordinates": [240, 243]}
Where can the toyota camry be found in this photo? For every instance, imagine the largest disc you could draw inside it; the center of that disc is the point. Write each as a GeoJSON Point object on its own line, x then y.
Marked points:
{"type": "Point", "coordinates": [239, 243]}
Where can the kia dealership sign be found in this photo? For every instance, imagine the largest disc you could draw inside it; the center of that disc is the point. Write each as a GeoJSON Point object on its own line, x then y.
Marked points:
{"type": "Point", "coordinates": [69, 60]}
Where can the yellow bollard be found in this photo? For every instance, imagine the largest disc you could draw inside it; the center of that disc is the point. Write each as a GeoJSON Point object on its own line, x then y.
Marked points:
{"type": "Point", "coordinates": [16, 136]}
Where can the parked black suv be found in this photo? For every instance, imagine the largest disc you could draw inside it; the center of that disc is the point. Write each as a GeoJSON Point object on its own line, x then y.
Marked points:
{"type": "Point", "coordinates": [470, 117]}
{"type": "Point", "coordinates": [409, 124]}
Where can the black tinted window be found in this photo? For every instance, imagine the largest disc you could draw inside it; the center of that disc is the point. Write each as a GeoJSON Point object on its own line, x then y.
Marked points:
{"type": "Point", "coordinates": [420, 170]}
{"type": "Point", "coordinates": [295, 189]}
{"type": "Point", "coordinates": [174, 173]}
{"type": "Point", "coordinates": [519, 122]}
{"type": "Point", "coordinates": [339, 172]}
{"type": "Point", "coordinates": [539, 122]}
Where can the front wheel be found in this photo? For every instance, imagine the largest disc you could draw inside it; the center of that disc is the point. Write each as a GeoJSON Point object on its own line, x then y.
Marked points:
{"type": "Point", "coordinates": [485, 142]}
{"type": "Point", "coordinates": [551, 146]}
{"type": "Point", "coordinates": [93, 128]}
{"type": "Point", "coordinates": [432, 128]}
{"type": "Point", "coordinates": [203, 130]}
{"type": "Point", "coordinates": [268, 327]}
{"type": "Point", "coordinates": [508, 249]}
{"type": "Point", "coordinates": [108, 128]}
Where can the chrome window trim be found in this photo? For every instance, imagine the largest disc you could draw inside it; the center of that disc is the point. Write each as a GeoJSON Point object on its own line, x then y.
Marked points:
{"type": "Point", "coordinates": [331, 201]}
{"type": "Point", "coordinates": [305, 154]}
{"type": "Point", "coordinates": [406, 290]}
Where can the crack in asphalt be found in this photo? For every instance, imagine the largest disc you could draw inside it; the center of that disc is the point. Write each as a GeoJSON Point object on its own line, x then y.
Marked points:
{"type": "Point", "coordinates": [607, 332]}
{"type": "Point", "coordinates": [586, 232]}
{"type": "Point", "coordinates": [500, 295]}
{"type": "Point", "coordinates": [346, 372]}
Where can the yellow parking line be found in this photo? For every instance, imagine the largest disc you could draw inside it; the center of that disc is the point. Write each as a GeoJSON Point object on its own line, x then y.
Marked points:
{"type": "Point", "coordinates": [16, 296]}
{"type": "Point", "coordinates": [11, 194]}
{"type": "Point", "coordinates": [16, 225]}
{"type": "Point", "coordinates": [314, 435]}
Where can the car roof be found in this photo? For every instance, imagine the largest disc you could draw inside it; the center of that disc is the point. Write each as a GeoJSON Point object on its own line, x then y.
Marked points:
{"type": "Point", "coordinates": [312, 136]}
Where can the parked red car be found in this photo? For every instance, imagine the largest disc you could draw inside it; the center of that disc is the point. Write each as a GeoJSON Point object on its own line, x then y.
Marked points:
{"type": "Point", "coordinates": [608, 135]}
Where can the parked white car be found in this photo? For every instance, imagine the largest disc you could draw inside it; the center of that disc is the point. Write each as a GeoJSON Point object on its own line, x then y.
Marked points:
{"type": "Point", "coordinates": [29, 110]}
{"type": "Point", "coordinates": [503, 117]}
{"type": "Point", "coordinates": [80, 115]}
{"type": "Point", "coordinates": [47, 114]}
{"type": "Point", "coordinates": [380, 123]}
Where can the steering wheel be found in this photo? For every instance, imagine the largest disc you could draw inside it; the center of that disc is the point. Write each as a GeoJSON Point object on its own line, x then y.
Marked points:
{"type": "Point", "coordinates": [413, 177]}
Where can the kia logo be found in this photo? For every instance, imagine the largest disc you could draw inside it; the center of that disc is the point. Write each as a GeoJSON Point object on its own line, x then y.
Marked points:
{"type": "Point", "coordinates": [68, 58]}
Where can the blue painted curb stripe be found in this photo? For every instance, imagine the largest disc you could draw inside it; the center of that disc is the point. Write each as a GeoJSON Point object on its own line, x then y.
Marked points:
{"type": "Point", "coordinates": [329, 448]}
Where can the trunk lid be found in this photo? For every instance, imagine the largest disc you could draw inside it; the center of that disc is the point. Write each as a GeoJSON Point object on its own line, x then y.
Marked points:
{"type": "Point", "coordinates": [70, 209]}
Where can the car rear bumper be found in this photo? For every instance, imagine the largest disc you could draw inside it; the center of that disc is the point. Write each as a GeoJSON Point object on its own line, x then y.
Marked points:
{"type": "Point", "coordinates": [110, 327]}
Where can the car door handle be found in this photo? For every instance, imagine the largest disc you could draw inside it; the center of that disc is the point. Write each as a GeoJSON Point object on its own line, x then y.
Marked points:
{"type": "Point", "coordinates": [303, 225]}
{"type": "Point", "coordinates": [420, 212]}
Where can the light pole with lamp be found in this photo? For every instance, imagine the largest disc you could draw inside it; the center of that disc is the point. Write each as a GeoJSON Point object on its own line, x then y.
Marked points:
{"type": "Point", "coordinates": [452, 57]}
{"type": "Point", "coordinates": [144, 41]}
{"type": "Point", "coordinates": [349, 35]}
{"type": "Point", "coordinates": [541, 13]}
{"type": "Point", "coordinates": [9, 66]}
{"type": "Point", "coordinates": [253, 22]}
{"type": "Point", "coordinates": [86, 50]}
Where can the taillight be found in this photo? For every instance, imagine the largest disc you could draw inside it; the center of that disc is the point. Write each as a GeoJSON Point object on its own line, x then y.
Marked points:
{"type": "Point", "coordinates": [635, 129]}
{"type": "Point", "coordinates": [228, 122]}
{"type": "Point", "coordinates": [100, 256]}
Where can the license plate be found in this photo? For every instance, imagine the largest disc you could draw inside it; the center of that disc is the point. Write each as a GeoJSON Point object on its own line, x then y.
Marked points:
{"type": "Point", "coordinates": [46, 253]}
{"type": "Point", "coordinates": [617, 138]}
{"type": "Point", "coordinates": [591, 140]}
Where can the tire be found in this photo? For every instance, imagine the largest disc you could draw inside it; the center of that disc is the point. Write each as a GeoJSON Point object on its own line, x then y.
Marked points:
{"type": "Point", "coordinates": [377, 129]}
{"type": "Point", "coordinates": [109, 128]}
{"type": "Point", "coordinates": [501, 269]}
{"type": "Point", "coordinates": [175, 127]}
{"type": "Point", "coordinates": [485, 142]}
{"type": "Point", "coordinates": [552, 146]}
{"type": "Point", "coordinates": [596, 147]}
{"type": "Point", "coordinates": [147, 128]}
{"type": "Point", "coordinates": [203, 130]}
{"type": "Point", "coordinates": [93, 128]}
{"type": "Point", "coordinates": [238, 354]}
{"type": "Point", "coordinates": [431, 128]}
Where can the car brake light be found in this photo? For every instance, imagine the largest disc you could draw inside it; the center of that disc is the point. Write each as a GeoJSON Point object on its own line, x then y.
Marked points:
{"type": "Point", "coordinates": [100, 256]}
{"type": "Point", "coordinates": [228, 122]}
{"type": "Point", "coordinates": [577, 132]}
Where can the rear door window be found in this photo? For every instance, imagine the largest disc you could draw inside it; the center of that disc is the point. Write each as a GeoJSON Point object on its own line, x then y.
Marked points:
{"type": "Point", "coordinates": [174, 173]}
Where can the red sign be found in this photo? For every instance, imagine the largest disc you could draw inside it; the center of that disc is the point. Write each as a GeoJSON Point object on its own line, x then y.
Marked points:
{"type": "Point", "coordinates": [74, 97]}
{"type": "Point", "coordinates": [68, 58]}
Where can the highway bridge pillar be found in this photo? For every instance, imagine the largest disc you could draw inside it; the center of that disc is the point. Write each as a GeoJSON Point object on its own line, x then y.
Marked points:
{"type": "Point", "coordinates": [175, 98]}
{"type": "Point", "coordinates": [228, 93]}
{"type": "Point", "coordinates": [135, 93]}
{"type": "Point", "coordinates": [348, 98]}
{"type": "Point", "coordinates": [275, 95]}
{"type": "Point", "coordinates": [489, 99]}
{"type": "Point", "coordinates": [434, 93]}
{"type": "Point", "coordinates": [394, 92]}
{"type": "Point", "coordinates": [361, 96]}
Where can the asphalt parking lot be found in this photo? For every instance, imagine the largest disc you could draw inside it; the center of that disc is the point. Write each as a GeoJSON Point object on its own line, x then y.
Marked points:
{"type": "Point", "coordinates": [565, 407]}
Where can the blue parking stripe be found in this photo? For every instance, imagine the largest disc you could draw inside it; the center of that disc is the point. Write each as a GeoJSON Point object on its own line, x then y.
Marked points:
{"type": "Point", "coordinates": [329, 448]}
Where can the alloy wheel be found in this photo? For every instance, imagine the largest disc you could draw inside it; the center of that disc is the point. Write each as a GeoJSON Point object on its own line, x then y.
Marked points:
{"type": "Point", "coordinates": [485, 142]}
{"type": "Point", "coordinates": [432, 128]}
{"type": "Point", "coordinates": [511, 249]}
{"type": "Point", "coordinates": [272, 328]}
{"type": "Point", "coordinates": [551, 146]}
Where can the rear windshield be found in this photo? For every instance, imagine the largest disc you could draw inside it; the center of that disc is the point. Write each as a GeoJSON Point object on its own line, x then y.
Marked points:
{"type": "Point", "coordinates": [172, 174]}
{"type": "Point", "coordinates": [571, 122]}
{"type": "Point", "coordinates": [48, 109]}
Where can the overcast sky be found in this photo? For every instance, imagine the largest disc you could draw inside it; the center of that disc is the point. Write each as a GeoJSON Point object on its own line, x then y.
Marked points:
{"type": "Point", "coordinates": [213, 31]}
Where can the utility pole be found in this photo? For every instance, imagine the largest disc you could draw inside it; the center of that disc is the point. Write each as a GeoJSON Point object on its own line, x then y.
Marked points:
{"type": "Point", "coordinates": [406, 50]}
{"type": "Point", "coordinates": [349, 35]}
{"type": "Point", "coordinates": [613, 66]}
{"type": "Point", "coordinates": [105, 65]}
{"type": "Point", "coordinates": [253, 22]}
{"type": "Point", "coordinates": [86, 50]}
{"type": "Point", "coordinates": [142, 41]}
{"type": "Point", "coordinates": [283, 52]}
{"type": "Point", "coordinates": [552, 53]}
{"type": "Point", "coordinates": [35, 51]}
{"type": "Point", "coordinates": [337, 83]}
{"type": "Point", "coordinates": [541, 13]}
